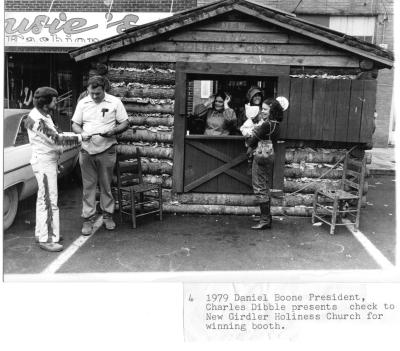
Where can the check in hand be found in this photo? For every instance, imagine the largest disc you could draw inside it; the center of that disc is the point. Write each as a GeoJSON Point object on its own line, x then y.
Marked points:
{"type": "Point", "coordinates": [107, 134]}
{"type": "Point", "coordinates": [85, 136]}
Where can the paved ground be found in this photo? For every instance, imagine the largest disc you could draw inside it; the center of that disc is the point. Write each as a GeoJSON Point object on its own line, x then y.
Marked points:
{"type": "Point", "coordinates": [383, 161]}
{"type": "Point", "coordinates": [206, 243]}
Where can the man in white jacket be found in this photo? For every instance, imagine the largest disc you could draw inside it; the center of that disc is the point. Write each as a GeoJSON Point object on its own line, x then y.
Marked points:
{"type": "Point", "coordinates": [46, 151]}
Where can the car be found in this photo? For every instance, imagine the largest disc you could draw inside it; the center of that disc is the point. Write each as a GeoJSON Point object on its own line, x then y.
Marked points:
{"type": "Point", "coordinates": [19, 180]}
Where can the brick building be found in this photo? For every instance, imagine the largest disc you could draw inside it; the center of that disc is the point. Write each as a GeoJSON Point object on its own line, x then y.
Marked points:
{"type": "Point", "coordinates": [44, 62]}
{"type": "Point", "coordinates": [99, 5]}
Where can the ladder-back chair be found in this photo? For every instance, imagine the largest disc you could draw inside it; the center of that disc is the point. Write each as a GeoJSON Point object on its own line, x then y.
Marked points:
{"type": "Point", "coordinates": [331, 206]}
{"type": "Point", "coordinates": [135, 196]}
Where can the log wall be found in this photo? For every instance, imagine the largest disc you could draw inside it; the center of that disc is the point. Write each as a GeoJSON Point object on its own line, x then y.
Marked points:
{"type": "Point", "coordinates": [148, 93]}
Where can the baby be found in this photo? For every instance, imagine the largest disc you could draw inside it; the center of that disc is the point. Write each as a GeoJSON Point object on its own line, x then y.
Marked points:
{"type": "Point", "coordinates": [255, 117]}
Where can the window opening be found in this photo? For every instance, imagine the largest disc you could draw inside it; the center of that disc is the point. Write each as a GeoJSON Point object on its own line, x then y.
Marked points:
{"type": "Point", "coordinates": [200, 88]}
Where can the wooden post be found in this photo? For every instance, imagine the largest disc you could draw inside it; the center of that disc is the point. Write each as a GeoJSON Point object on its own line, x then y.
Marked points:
{"type": "Point", "coordinates": [355, 110]}
{"type": "Point", "coordinates": [280, 148]}
{"type": "Point", "coordinates": [368, 109]}
{"type": "Point", "coordinates": [179, 129]}
{"type": "Point", "coordinates": [279, 164]}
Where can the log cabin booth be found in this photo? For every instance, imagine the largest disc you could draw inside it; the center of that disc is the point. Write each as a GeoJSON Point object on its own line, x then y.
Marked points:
{"type": "Point", "coordinates": [161, 70]}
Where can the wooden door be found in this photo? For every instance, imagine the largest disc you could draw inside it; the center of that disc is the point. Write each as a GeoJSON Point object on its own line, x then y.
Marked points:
{"type": "Point", "coordinates": [217, 164]}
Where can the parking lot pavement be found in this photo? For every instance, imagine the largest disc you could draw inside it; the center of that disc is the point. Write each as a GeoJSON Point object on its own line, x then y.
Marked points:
{"type": "Point", "coordinates": [205, 243]}
{"type": "Point", "coordinates": [20, 252]}
{"type": "Point", "coordinates": [378, 218]}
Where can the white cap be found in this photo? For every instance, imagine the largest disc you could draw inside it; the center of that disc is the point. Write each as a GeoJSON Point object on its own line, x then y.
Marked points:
{"type": "Point", "coordinates": [283, 102]}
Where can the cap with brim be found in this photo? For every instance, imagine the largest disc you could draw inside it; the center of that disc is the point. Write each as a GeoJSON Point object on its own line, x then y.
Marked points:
{"type": "Point", "coordinates": [45, 92]}
{"type": "Point", "coordinates": [253, 91]}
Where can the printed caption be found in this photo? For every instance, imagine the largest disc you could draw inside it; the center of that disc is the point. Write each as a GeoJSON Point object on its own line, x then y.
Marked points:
{"type": "Point", "coordinates": [253, 311]}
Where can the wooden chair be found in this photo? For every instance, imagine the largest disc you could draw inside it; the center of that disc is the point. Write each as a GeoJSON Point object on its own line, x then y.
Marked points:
{"type": "Point", "coordinates": [138, 195]}
{"type": "Point", "coordinates": [331, 206]}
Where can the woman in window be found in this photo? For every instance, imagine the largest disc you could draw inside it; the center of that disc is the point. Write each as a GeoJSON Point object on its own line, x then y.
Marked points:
{"type": "Point", "coordinates": [214, 117]}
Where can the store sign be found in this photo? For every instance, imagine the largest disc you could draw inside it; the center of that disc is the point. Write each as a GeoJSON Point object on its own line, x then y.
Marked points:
{"type": "Point", "coordinates": [70, 29]}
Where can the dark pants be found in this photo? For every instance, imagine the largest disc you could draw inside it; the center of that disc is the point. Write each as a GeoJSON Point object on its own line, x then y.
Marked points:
{"type": "Point", "coordinates": [95, 169]}
{"type": "Point", "coordinates": [261, 175]}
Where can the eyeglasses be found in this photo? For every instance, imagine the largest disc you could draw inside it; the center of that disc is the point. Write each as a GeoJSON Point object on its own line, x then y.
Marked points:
{"type": "Point", "coordinates": [219, 100]}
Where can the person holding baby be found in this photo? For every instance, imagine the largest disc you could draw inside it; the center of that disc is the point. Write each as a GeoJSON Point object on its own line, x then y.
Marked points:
{"type": "Point", "coordinates": [261, 131]}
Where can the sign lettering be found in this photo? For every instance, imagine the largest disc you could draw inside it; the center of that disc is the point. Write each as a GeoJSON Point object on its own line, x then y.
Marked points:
{"type": "Point", "coordinates": [70, 29]}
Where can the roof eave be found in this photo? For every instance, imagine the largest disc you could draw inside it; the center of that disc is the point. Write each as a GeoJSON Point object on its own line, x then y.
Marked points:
{"type": "Point", "coordinates": [192, 16]}
{"type": "Point", "coordinates": [86, 52]}
{"type": "Point", "coordinates": [384, 61]}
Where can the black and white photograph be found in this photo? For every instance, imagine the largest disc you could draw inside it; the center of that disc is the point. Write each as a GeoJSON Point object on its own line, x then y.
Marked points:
{"type": "Point", "coordinates": [175, 140]}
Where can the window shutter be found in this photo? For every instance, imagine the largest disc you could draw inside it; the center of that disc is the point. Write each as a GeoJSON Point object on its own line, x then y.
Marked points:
{"type": "Point", "coordinates": [339, 110]}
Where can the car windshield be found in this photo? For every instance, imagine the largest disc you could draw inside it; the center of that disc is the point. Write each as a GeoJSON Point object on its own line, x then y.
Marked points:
{"type": "Point", "coordinates": [11, 125]}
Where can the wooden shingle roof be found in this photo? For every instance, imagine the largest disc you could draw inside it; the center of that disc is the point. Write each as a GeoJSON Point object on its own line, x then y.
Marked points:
{"type": "Point", "coordinates": [279, 18]}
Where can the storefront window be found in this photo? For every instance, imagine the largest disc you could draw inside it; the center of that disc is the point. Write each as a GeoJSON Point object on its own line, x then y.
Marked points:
{"type": "Point", "coordinates": [25, 72]}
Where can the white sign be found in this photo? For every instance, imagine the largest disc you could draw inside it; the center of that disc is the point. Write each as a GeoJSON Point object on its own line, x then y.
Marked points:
{"type": "Point", "coordinates": [205, 89]}
{"type": "Point", "coordinates": [70, 29]}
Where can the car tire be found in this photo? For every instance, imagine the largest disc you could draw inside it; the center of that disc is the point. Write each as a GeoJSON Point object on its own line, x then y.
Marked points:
{"type": "Point", "coordinates": [10, 206]}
